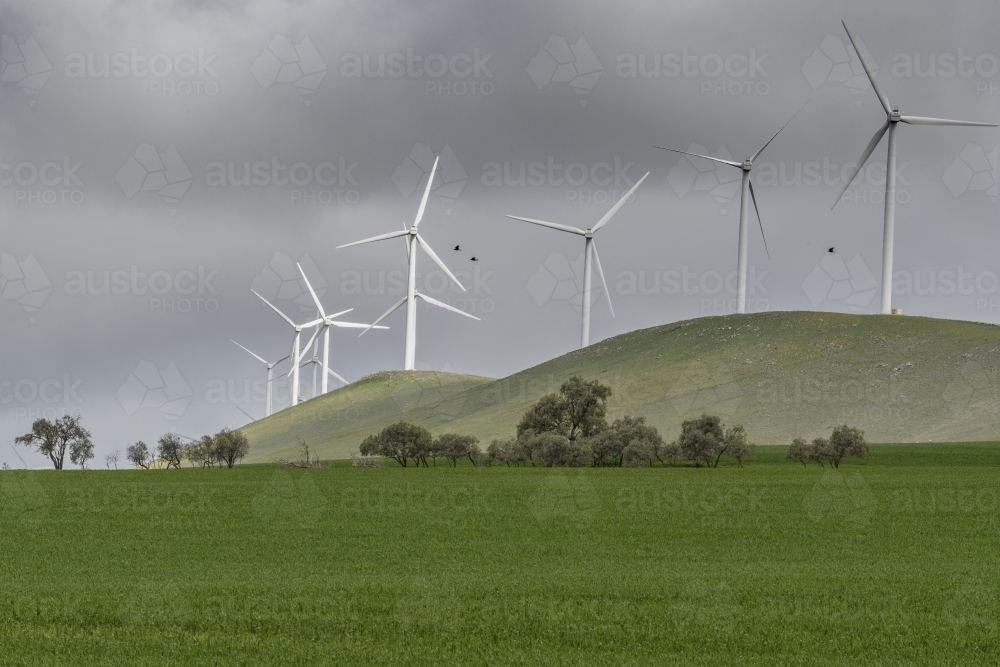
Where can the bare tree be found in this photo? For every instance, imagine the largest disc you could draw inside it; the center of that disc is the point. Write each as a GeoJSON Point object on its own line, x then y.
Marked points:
{"type": "Point", "coordinates": [170, 449]}
{"type": "Point", "coordinates": [112, 458]}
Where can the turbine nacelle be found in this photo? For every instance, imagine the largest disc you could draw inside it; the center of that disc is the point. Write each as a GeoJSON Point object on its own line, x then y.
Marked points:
{"type": "Point", "coordinates": [748, 164]}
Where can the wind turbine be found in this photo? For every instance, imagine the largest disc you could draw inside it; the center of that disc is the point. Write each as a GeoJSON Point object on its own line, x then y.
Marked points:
{"type": "Point", "coordinates": [270, 374]}
{"type": "Point", "coordinates": [893, 117]}
{"type": "Point", "coordinates": [296, 340]}
{"type": "Point", "coordinates": [589, 251]}
{"type": "Point", "coordinates": [328, 321]}
{"type": "Point", "coordinates": [747, 188]}
{"type": "Point", "coordinates": [412, 294]}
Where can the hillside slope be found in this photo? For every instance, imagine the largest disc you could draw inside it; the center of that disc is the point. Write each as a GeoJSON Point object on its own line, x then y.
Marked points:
{"type": "Point", "coordinates": [782, 375]}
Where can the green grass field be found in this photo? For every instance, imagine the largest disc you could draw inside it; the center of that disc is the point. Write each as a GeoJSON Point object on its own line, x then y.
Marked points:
{"type": "Point", "coordinates": [894, 560]}
{"type": "Point", "coordinates": [782, 375]}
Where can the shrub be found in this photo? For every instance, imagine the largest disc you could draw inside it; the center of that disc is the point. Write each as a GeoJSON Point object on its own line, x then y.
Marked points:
{"type": "Point", "coordinates": [556, 450]}
{"type": "Point", "coordinates": [799, 451]}
{"type": "Point", "coordinates": [400, 441]}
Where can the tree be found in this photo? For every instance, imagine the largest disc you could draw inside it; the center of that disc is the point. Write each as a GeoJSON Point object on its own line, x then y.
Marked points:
{"type": "Point", "coordinates": [846, 441]}
{"type": "Point", "coordinates": [231, 446]}
{"type": "Point", "coordinates": [669, 453]}
{"type": "Point", "coordinates": [112, 458]}
{"type": "Point", "coordinates": [453, 446]}
{"type": "Point", "coordinates": [629, 441]}
{"type": "Point", "coordinates": [139, 455]}
{"type": "Point", "coordinates": [799, 451]}
{"type": "Point", "coordinates": [504, 451]}
{"type": "Point", "coordinates": [701, 440]}
{"type": "Point", "coordinates": [737, 444]}
{"type": "Point", "coordinates": [578, 410]}
{"type": "Point", "coordinates": [202, 453]}
{"type": "Point", "coordinates": [556, 450]}
{"type": "Point", "coordinates": [400, 441]}
{"type": "Point", "coordinates": [170, 449]}
{"type": "Point", "coordinates": [819, 451]}
{"type": "Point", "coordinates": [55, 438]}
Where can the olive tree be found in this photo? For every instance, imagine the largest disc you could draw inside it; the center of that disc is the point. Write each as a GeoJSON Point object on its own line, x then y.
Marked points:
{"type": "Point", "coordinates": [701, 440]}
{"type": "Point", "coordinates": [737, 445]}
{"type": "Point", "coordinates": [170, 449]}
{"type": "Point", "coordinates": [139, 455]}
{"type": "Point", "coordinates": [400, 441]}
{"type": "Point", "coordinates": [453, 447]}
{"type": "Point", "coordinates": [202, 453]}
{"type": "Point", "coordinates": [846, 441]}
{"type": "Point", "coordinates": [55, 438]}
{"type": "Point", "coordinates": [799, 451]}
{"type": "Point", "coordinates": [578, 410]}
{"type": "Point", "coordinates": [230, 446]}
{"type": "Point", "coordinates": [629, 441]}
{"type": "Point", "coordinates": [505, 451]}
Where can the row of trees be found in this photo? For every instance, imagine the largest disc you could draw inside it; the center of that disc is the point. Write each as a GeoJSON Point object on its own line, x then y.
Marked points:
{"type": "Point", "coordinates": [403, 442]}
{"type": "Point", "coordinates": [57, 438]}
{"type": "Point", "coordinates": [570, 428]}
{"type": "Point", "coordinates": [843, 442]}
{"type": "Point", "coordinates": [224, 448]}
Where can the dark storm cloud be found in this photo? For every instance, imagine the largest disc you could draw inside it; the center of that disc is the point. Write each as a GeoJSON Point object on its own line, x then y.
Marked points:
{"type": "Point", "coordinates": [333, 107]}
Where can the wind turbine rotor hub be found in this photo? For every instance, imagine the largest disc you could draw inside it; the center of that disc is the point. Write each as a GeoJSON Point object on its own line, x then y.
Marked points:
{"type": "Point", "coordinates": [894, 115]}
{"type": "Point", "coordinates": [747, 164]}
{"type": "Point", "coordinates": [589, 234]}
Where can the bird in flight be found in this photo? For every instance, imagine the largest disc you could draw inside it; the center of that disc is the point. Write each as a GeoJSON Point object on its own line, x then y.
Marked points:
{"type": "Point", "coordinates": [830, 250]}
{"type": "Point", "coordinates": [474, 259]}
{"type": "Point", "coordinates": [457, 248]}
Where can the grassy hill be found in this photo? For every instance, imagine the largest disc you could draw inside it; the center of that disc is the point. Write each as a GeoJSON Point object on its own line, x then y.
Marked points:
{"type": "Point", "coordinates": [901, 379]}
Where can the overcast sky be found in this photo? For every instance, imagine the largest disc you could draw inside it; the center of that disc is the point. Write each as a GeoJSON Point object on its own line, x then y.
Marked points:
{"type": "Point", "coordinates": [131, 232]}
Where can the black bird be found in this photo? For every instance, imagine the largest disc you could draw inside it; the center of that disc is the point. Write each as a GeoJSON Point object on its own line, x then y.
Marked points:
{"type": "Point", "coordinates": [830, 250]}
{"type": "Point", "coordinates": [474, 259]}
{"type": "Point", "coordinates": [457, 248]}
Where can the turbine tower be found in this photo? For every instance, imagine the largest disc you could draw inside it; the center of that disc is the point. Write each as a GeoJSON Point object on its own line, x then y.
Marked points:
{"type": "Point", "coordinates": [409, 358]}
{"type": "Point", "coordinates": [270, 375]}
{"type": "Point", "coordinates": [296, 342]}
{"type": "Point", "coordinates": [747, 189]}
{"type": "Point", "coordinates": [327, 322]}
{"type": "Point", "coordinates": [893, 117]}
{"type": "Point", "coordinates": [589, 256]}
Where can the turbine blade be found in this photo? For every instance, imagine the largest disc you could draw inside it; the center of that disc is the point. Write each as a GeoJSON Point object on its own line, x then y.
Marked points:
{"type": "Point", "coordinates": [354, 325]}
{"type": "Point", "coordinates": [427, 192]}
{"type": "Point", "coordinates": [553, 225]}
{"type": "Point", "coordinates": [407, 242]}
{"type": "Point", "coordinates": [861, 162]}
{"type": "Point", "coordinates": [319, 306]}
{"type": "Point", "coordinates": [305, 350]}
{"type": "Point", "coordinates": [330, 371]}
{"type": "Point", "coordinates": [343, 312]}
{"type": "Point", "coordinates": [761, 224]}
{"type": "Point", "coordinates": [282, 359]}
{"type": "Point", "coordinates": [283, 316]}
{"type": "Point", "coordinates": [446, 306]}
{"type": "Point", "coordinates": [380, 237]}
{"type": "Point", "coordinates": [437, 260]}
{"type": "Point", "coordinates": [707, 157]}
{"type": "Point", "coordinates": [245, 412]}
{"type": "Point", "coordinates": [600, 274]}
{"type": "Point", "coordinates": [868, 70]}
{"type": "Point", "coordinates": [384, 315]}
{"type": "Point", "coordinates": [254, 355]}
{"type": "Point", "coordinates": [920, 120]}
{"type": "Point", "coordinates": [614, 209]}
{"type": "Point", "coordinates": [778, 132]}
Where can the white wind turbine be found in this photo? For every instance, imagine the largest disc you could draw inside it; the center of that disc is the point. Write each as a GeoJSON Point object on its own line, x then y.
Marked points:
{"type": "Point", "coordinates": [412, 294]}
{"type": "Point", "coordinates": [270, 374]}
{"type": "Point", "coordinates": [893, 117]}
{"type": "Point", "coordinates": [747, 189]}
{"type": "Point", "coordinates": [589, 255]}
{"type": "Point", "coordinates": [327, 322]}
{"type": "Point", "coordinates": [296, 342]}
